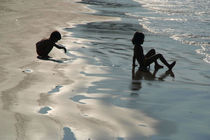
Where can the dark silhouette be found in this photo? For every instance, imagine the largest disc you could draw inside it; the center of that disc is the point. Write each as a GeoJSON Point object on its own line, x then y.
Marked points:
{"type": "Point", "coordinates": [48, 58]}
{"type": "Point", "coordinates": [44, 46]}
{"type": "Point", "coordinates": [151, 57]}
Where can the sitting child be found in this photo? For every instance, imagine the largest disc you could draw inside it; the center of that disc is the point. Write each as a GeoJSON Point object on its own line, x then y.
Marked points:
{"type": "Point", "coordinates": [145, 60]}
{"type": "Point", "coordinates": [44, 46]}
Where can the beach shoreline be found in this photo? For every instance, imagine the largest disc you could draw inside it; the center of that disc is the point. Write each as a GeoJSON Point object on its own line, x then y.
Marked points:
{"type": "Point", "coordinates": [169, 99]}
{"type": "Point", "coordinates": [89, 93]}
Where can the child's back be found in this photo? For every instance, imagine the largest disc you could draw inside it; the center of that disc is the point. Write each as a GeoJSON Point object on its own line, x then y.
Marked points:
{"type": "Point", "coordinates": [43, 47]}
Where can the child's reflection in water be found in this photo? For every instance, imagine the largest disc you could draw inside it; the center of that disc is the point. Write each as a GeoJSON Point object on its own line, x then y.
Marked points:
{"type": "Point", "coordinates": [140, 74]}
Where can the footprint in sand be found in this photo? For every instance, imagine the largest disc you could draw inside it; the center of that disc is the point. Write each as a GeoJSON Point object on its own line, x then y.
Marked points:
{"type": "Point", "coordinates": [68, 134]}
{"type": "Point", "coordinates": [142, 125]}
{"type": "Point", "coordinates": [56, 89]}
{"type": "Point", "coordinates": [44, 110]}
{"type": "Point", "coordinates": [77, 98]}
{"type": "Point", "coordinates": [28, 71]}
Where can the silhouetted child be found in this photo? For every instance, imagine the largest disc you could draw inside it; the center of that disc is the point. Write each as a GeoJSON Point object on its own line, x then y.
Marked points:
{"type": "Point", "coordinates": [44, 46]}
{"type": "Point", "coordinates": [151, 57]}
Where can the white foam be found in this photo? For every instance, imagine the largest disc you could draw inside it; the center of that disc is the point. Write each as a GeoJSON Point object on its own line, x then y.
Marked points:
{"type": "Point", "coordinates": [184, 21]}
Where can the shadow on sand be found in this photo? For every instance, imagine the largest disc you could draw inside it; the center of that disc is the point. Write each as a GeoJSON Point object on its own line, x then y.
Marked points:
{"type": "Point", "coordinates": [50, 59]}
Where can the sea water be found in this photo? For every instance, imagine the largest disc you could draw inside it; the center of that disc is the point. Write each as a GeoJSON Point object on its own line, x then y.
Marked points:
{"type": "Point", "coordinates": [186, 21]}
{"type": "Point", "coordinates": [177, 29]}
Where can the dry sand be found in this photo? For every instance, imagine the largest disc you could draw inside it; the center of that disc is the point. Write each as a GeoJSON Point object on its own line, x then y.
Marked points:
{"type": "Point", "coordinates": [26, 80]}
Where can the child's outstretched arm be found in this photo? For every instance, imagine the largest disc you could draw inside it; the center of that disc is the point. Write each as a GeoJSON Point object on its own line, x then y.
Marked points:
{"type": "Point", "coordinates": [61, 47]}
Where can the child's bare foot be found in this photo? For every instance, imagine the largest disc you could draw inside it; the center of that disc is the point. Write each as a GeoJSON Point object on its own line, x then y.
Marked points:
{"type": "Point", "coordinates": [170, 73]}
{"type": "Point", "coordinates": [171, 66]}
{"type": "Point", "coordinates": [157, 67]}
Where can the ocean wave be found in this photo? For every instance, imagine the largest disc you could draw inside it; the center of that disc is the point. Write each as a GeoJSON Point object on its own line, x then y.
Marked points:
{"type": "Point", "coordinates": [184, 21]}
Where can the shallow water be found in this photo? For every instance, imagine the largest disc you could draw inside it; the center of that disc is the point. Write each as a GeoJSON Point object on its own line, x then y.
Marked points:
{"type": "Point", "coordinates": [178, 100]}
{"type": "Point", "coordinates": [185, 21]}
{"type": "Point", "coordinates": [44, 110]}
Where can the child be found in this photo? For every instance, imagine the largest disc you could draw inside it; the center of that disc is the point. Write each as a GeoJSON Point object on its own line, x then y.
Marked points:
{"type": "Point", "coordinates": [44, 46]}
{"type": "Point", "coordinates": [145, 60]}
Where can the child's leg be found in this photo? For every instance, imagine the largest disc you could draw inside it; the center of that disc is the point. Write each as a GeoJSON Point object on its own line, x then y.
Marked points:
{"type": "Point", "coordinates": [162, 59]}
{"type": "Point", "coordinates": [42, 52]}
{"type": "Point", "coordinates": [154, 58]}
{"type": "Point", "coordinates": [46, 51]}
{"type": "Point", "coordinates": [151, 53]}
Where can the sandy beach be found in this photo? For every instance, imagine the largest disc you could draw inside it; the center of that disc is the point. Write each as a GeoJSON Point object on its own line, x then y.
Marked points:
{"type": "Point", "coordinates": [91, 92]}
{"type": "Point", "coordinates": [26, 80]}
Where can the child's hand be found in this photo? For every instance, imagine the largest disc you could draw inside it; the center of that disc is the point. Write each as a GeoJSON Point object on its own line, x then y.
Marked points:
{"type": "Point", "coordinates": [134, 65]}
{"type": "Point", "coordinates": [64, 49]}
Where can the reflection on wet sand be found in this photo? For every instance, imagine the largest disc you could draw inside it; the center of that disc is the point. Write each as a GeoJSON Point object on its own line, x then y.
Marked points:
{"type": "Point", "coordinates": [62, 60]}
{"type": "Point", "coordinates": [139, 75]}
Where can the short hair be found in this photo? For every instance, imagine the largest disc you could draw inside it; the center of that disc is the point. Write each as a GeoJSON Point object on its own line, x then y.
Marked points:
{"type": "Point", "coordinates": [137, 37]}
{"type": "Point", "coordinates": [55, 35]}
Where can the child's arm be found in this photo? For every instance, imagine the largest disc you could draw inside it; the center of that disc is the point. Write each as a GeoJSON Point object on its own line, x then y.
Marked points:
{"type": "Point", "coordinates": [60, 47]}
{"type": "Point", "coordinates": [139, 53]}
{"type": "Point", "coordinates": [134, 60]}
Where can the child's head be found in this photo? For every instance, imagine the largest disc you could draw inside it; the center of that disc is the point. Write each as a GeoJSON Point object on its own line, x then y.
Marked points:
{"type": "Point", "coordinates": [55, 36]}
{"type": "Point", "coordinates": [138, 38]}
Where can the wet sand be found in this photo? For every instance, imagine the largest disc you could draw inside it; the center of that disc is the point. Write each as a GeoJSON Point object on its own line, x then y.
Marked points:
{"type": "Point", "coordinates": [25, 80]}
{"type": "Point", "coordinates": [162, 105]}
{"type": "Point", "coordinates": [83, 95]}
